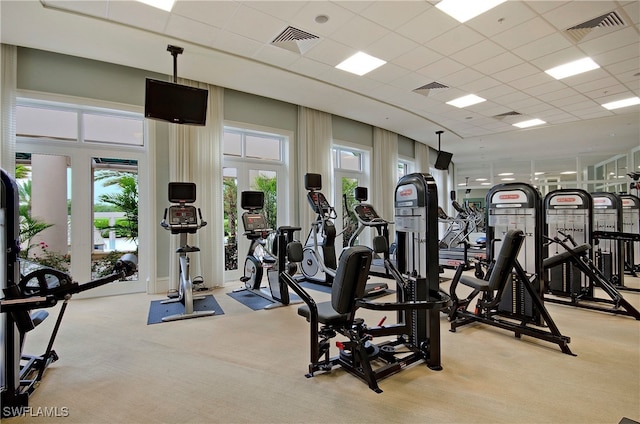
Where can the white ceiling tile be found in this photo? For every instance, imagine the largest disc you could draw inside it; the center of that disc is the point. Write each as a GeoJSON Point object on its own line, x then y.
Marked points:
{"type": "Point", "coordinates": [97, 8]}
{"type": "Point", "coordinates": [354, 6]}
{"type": "Point", "coordinates": [510, 98]}
{"type": "Point", "coordinates": [237, 44]}
{"type": "Point", "coordinates": [626, 66]}
{"type": "Point", "coordinates": [542, 6]}
{"type": "Point", "coordinates": [394, 15]}
{"type": "Point", "coordinates": [557, 94]}
{"type": "Point", "coordinates": [254, 24]}
{"type": "Point", "coordinates": [440, 69]}
{"type": "Point", "coordinates": [495, 92]}
{"type": "Point", "coordinates": [542, 46]}
{"type": "Point", "coordinates": [595, 114]}
{"type": "Point", "coordinates": [523, 34]}
{"type": "Point", "coordinates": [390, 46]}
{"type": "Point", "coordinates": [283, 10]}
{"type": "Point", "coordinates": [138, 15]}
{"type": "Point", "coordinates": [359, 33]}
{"type": "Point", "coordinates": [623, 37]}
{"type": "Point", "coordinates": [417, 58]}
{"type": "Point", "coordinates": [410, 81]}
{"type": "Point", "coordinates": [530, 81]}
{"type": "Point", "coordinates": [601, 93]}
{"type": "Point", "coordinates": [329, 52]}
{"type": "Point", "coordinates": [517, 72]}
{"type": "Point", "coordinates": [566, 101]}
{"type": "Point", "coordinates": [310, 67]}
{"type": "Point", "coordinates": [498, 63]}
{"type": "Point", "coordinates": [616, 55]}
{"type": "Point", "coordinates": [501, 18]}
{"type": "Point", "coordinates": [211, 13]}
{"type": "Point", "coordinates": [276, 56]}
{"type": "Point", "coordinates": [426, 26]}
{"type": "Point", "coordinates": [547, 87]}
{"type": "Point", "coordinates": [387, 73]}
{"type": "Point", "coordinates": [595, 84]}
{"type": "Point", "coordinates": [632, 9]}
{"type": "Point", "coordinates": [455, 40]}
{"type": "Point", "coordinates": [305, 18]}
{"type": "Point", "coordinates": [484, 51]}
{"type": "Point", "coordinates": [480, 85]}
{"type": "Point", "coordinates": [188, 29]}
{"type": "Point", "coordinates": [585, 77]}
{"type": "Point", "coordinates": [529, 102]}
{"type": "Point", "coordinates": [577, 12]}
{"type": "Point", "coordinates": [463, 76]}
{"type": "Point", "coordinates": [559, 57]}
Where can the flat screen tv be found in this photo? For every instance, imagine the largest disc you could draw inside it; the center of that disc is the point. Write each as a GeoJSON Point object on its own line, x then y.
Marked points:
{"type": "Point", "coordinates": [443, 160]}
{"type": "Point", "coordinates": [180, 104]}
{"type": "Point", "coordinates": [182, 192]}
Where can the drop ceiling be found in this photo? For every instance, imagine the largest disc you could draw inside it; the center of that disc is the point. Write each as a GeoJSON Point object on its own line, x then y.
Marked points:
{"type": "Point", "coordinates": [283, 50]}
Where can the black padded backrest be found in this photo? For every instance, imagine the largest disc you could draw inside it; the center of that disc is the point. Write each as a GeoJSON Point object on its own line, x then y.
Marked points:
{"type": "Point", "coordinates": [295, 251]}
{"type": "Point", "coordinates": [380, 244]}
{"type": "Point", "coordinates": [351, 278]}
{"type": "Point", "coordinates": [506, 258]}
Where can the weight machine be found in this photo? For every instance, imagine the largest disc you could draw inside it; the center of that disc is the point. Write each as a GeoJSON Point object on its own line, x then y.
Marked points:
{"type": "Point", "coordinates": [571, 275]}
{"type": "Point", "coordinates": [40, 287]}
{"type": "Point", "coordinates": [416, 336]}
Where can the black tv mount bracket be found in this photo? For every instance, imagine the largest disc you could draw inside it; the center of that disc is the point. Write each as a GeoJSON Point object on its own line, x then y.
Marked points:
{"type": "Point", "coordinates": [439, 134]}
{"type": "Point", "coordinates": [175, 51]}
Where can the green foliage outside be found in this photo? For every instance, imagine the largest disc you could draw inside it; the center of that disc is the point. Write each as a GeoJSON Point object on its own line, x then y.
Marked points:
{"type": "Point", "coordinates": [349, 221]}
{"type": "Point", "coordinates": [268, 185]}
{"type": "Point", "coordinates": [125, 200]}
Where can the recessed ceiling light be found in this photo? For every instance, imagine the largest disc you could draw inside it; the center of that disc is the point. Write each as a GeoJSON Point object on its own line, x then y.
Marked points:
{"type": "Point", "coordinates": [529, 123]}
{"type": "Point", "coordinates": [538, 173]}
{"type": "Point", "coordinates": [485, 183]}
{"type": "Point", "coordinates": [573, 68]}
{"type": "Point", "coordinates": [160, 4]}
{"type": "Point", "coordinates": [622, 103]}
{"type": "Point", "coordinates": [505, 174]}
{"type": "Point", "coordinates": [465, 101]}
{"type": "Point", "coordinates": [481, 179]}
{"type": "Point", "coordinates": [568, 172]}
{"type": "Point", "coordinates": [508, 179]}
{"type": "Point", "coordinates": [463, 10]}
{"type": "Point", "coordinates": [360, 63]}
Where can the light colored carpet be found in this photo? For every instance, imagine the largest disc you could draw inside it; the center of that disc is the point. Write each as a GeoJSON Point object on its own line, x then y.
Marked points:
{"type": "Point", "coordinates": [248, 367]}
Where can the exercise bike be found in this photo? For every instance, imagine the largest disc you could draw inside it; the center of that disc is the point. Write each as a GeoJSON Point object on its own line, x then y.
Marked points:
{"type": "Point", "coordinates": [319, 253]}
{"type": "Point", "coordinates": [183, 220]}
{"type": "Point", "coordinates": [258, 258]}
{"type": "Point", "coordinates": [368, 218]}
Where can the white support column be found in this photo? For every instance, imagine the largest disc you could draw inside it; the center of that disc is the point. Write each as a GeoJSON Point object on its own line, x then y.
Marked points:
{"type": "Point", "coordinates": [49, 200]}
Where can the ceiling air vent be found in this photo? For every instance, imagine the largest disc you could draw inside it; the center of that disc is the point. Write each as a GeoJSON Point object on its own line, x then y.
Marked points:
{"type": "Point", "coordinates": [425, 90]}
{"type": "Point", "coordinates": [295, 40]}
{"type": "Point", "coordinates": [609, 21]}
{"type": "Point", "coordinates": [507, 114]}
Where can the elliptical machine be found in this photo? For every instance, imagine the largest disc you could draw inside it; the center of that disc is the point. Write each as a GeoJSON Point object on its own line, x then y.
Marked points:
{"type": "Point", "coordinates": [319, 253]}
{"type": "Point", "coordinates": [369, 218]}
{"type": "Point", "coordinates": [183, 220]}
{"type": "Point", "coordinates": [258, 258]}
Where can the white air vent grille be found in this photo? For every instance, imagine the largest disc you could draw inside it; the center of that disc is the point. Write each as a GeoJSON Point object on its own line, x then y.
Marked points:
{"type": "Point", "coordinates": [609, 21]}
{"type": "Point", "coordinates": [425, 90]}
{"type": "Point", "coordinates": [507, 114]}
{"type": "Point", "coordinates": [295, 40]}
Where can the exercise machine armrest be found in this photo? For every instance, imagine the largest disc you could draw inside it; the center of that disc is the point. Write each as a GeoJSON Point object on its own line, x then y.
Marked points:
{"type": "Point", "coordinates": [297, 288]}
{"type": "Point", "coordinates": [25, 304]}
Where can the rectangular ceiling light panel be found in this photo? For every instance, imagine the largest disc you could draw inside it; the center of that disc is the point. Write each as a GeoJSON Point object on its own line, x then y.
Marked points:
{"type": "Point", "coordinates": [360, 64]}
{"type": "Point", "coordinates": [573, 68]}
{"type": "Point", "coordinates": [463, 10]}
{"type": "Point", "coordinates": [529, 123]}
{"type": "Point", "coordinates": [465, 101]}
{"type": "Point", "coordinates": [622, 103]}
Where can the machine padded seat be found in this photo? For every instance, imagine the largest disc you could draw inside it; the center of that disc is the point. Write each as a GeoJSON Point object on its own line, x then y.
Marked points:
{"type": "Point", "coordinates": [564, 256]}
{"type": "Point", "coordinates": [326, 314]}
{"type": "Point", "coordinates": [348, 286]}
{"type": "Point", "coordinates": [474, 283]}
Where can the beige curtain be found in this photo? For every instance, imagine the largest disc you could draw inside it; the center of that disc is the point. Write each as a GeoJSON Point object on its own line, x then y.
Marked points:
{"type": "Point", "coordinates": [384, 172]}
{"type": "Point", "coordinates": [422, 157]}
{"type": "Point", "coordinates": [196, 156]}
{"type": "Point", "coordinates": [8, 70]}
{"type": "Point", "coordinates": [315, 141]}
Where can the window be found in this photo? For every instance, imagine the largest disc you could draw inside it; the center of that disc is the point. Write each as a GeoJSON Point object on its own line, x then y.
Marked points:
{"type": "Point", "coordinates": [74, 159]}
{"type": "Point", "coordinates": [253, 160]}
